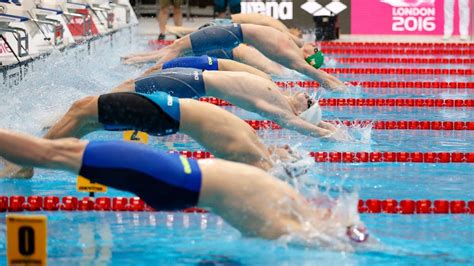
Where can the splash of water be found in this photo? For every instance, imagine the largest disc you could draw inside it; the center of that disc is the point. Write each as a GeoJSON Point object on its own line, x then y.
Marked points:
{"type": "Point", "coordinates": [330, 62]}
{"type": "Point", "coordinates": [54, 83]}
{"type": "Point", "coordinates": [341, 211]}
{"type": "Point", "coordinates": [358, 133]}
{"type": "Point", "coordinates": [351, 91]}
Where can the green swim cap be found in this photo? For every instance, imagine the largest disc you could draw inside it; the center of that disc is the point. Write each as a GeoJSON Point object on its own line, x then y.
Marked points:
{"type": "Point", "coordinates": [316, 59]}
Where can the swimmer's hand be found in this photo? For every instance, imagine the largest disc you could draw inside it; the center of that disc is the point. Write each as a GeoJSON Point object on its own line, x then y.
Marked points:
{"type": "Point", "coordinates": [140, 58]}
{"type": "Point", "coordinates": [336, 85]}
{"type": "Point", "coordinates": [132, 60]}
{"type": "Point", "coordinates": [339, 135]}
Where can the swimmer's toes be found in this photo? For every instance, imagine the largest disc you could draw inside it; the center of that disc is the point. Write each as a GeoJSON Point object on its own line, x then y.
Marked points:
{"type": "Point", "coordinates": [15, 171]}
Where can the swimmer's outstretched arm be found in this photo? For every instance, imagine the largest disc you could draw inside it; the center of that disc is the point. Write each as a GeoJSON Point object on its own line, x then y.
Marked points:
{"type": "Point", "coordinates": [322, 130]}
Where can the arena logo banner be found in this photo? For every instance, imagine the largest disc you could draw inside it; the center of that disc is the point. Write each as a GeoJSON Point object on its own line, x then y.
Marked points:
{"type": "Point", "coordinates": [397, 17]}
{"type": "Point", "coordinates": [278, 10]}
{"type": "Point", "coordinates": [297, 13]}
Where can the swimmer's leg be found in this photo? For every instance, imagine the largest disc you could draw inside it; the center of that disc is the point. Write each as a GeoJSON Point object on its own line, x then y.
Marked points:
{"type": "Point", "coordinates": [164, 181]}
{"type": "Point", "coordinates": [157, 67]}
{"type": "Point", "coordinates": [29, 151]}
{"type": "Point", "coordinates": [205, 62]}
{"type": "Point", "coordinates": [80, 119]}
{"type": "Point", "coordinates": [197, 43]}
{"type": "Point", "coordinates": [246, 197]}
{"type": "Point", "coordinates": [202, 41]}
{"type": "Point", "coordinates": [216, 37]}
{"type": "Point", "coordinates": [140, 57]}
{"type": "Point", "coordinates": [126, 86]}
{"type": "Point", "coordinates": [179, 31]}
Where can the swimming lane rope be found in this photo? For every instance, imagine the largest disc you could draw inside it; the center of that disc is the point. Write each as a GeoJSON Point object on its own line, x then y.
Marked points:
{"type": "Point", "coordinates": [368, 157]}
{"type": "Point", "coordinates": [403, 60]}
{"type": "Point", "coordinates": [376, 102]}
{"type": "Point", "coordinates": [382, 125]}
{"type": "Point", "coordinates": [412, 45]}
{"type": "Point", "coordinates": [121, 204]}
{"type": "Point", "coordinates": [400, 71]}
{"type": "Point", "coordinates": [385, 84]}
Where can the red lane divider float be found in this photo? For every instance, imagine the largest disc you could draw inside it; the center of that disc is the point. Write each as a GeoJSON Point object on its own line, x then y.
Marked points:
{"type": "Point", "coordinates": [399, 102]}
{"type": "Point", "coordinates": [369, 157]}
{"type": "Point", "coordinates": [384, 84]}
{"type": "Point", "coordinates": [430, 45]}
{"type": "Point", "coordinates": [411, 60]}
{"type": "Point", "coordinates": [382, 125]}
{"type": "Point", "coordinates": [135, 204]}
{"type": "Point", "coordinates": [409, 102]}
{"type": "Point", "coordinates": [408, 206]}
{"type": "Point", "coordinates": [392, 157]}
{"type": "Point", "coordinates": [399, 71]}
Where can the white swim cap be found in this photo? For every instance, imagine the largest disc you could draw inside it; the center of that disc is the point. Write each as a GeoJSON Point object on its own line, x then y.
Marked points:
{"type": "Point", "coordinates": [312, 114]}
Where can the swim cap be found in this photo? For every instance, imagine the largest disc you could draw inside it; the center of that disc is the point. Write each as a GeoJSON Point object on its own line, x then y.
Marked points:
{"type": "Point", "coordinates": [316, 59]}
{"type": "Point", "coordinates": [312, 114]}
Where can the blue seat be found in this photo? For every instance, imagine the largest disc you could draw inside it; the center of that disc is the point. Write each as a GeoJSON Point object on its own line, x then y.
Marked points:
{"type": "Point", "coordinates": [58, 12]}
{"type": "Point", "coordinates": [14, 18]}
{"type": "Point", "coordinates": [16, 2]}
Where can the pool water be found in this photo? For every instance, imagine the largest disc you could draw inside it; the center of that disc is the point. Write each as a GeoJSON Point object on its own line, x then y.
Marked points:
{"type": "Point", "coordinates": [164, 238]}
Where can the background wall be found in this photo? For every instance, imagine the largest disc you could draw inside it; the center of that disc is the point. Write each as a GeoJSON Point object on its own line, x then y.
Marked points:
{"type": "Point", "coordinates": [360, 16]}
{"type": "Point", "coordinates": [425, 17]}
{"type": "Point", "coordinates": [299, 17]}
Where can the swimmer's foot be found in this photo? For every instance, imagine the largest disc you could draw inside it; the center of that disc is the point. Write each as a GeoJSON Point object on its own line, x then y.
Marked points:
{"type": "Point", "coordinates": [14, 171]}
